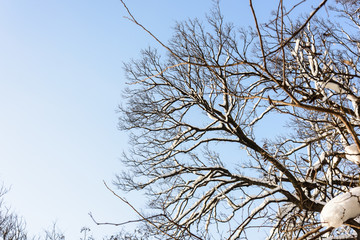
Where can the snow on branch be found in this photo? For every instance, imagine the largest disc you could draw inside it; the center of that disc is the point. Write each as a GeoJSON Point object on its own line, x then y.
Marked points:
{"type": "Point", "coordinates": [352, 153]}
{"type": "Point", "coordinates": [341, 208]}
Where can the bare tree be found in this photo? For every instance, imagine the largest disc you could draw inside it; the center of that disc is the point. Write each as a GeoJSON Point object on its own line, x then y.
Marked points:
{"type": "Point", "coordinates": [12, 227]}
{"type": "Point", "coordinates": [196, 116]}
{"type": "Point", "coordinates": [54, 233]}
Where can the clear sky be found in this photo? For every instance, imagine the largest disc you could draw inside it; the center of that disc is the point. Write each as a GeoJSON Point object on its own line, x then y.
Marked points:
{"type": "Point", "coordinates": [61, 79]}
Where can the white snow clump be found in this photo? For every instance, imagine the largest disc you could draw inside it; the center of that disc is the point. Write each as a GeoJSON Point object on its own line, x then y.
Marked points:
{"type": "Point", "coordinates": [341, 208]}
{"type": "Point", "coordinates": [352, 153]}
{"type": "Point", "coordinates": [333, 85]}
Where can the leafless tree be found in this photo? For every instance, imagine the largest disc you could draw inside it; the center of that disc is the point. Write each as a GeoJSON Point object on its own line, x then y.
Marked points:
{"type": "Point", "coordinates": [54, 233]}
{"type": "Point", "coordinates": [197, 118]}
{"type": "Point", "coordinates": [12, 227]}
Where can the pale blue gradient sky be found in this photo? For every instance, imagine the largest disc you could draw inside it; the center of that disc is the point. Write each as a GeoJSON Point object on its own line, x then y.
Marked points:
{"type": "Point", "coordinates": [60, 83]}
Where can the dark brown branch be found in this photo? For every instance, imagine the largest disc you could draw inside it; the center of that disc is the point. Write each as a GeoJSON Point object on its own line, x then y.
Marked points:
{"type": "Point", "coordinates": [299, 29]}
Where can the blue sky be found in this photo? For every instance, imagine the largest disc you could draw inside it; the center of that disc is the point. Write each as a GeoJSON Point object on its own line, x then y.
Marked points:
{"type": "Point", "coordinates": [61, 79]}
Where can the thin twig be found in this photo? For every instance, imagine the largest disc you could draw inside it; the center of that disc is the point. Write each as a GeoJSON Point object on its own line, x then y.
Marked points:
{"type": "Point", "coordinates": [299, 29]}
{"type": "Point", "coordinates": [259, 33]}
{"type": "Point", "coordinates": [138, 213]}
{"type": "Point", "coordinates": [322, 233]}
{"type": "Point", "coordinates": [122, 223]}
{"type": "Point", "coordinates": [133, 19]}
{"type": "Point", "coordinates": [309, 233]}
